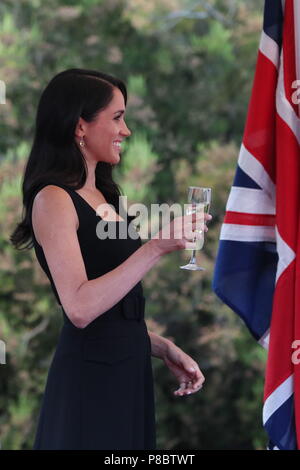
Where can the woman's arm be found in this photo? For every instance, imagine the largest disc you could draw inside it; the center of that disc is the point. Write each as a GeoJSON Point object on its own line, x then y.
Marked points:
{"type": "Point", "coordinates": [55, 221]}
{"type": "Point", "coordinates": [96, 296]}
{"type": "Point", "coordinates": [182, 366]}
{"type": "Point", "coordinates": [159, 345]}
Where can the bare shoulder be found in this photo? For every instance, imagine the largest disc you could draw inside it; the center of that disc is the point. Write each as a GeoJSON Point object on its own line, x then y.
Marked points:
{"type": "Point", "coordinates": [51, 195]}
{"type": "Point", "coordinates": [54, 221]}
{"type": "Point", "coordinates": [52, 205]}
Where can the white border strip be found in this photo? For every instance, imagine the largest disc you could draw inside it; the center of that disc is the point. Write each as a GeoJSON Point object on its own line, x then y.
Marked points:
{"type": "Point", "coordinates": [285, 253]}
{"type": "Point", "coordinates": [253, 168]}
{"type": "Point", "coordinates": [265, 339]}
{"type": "Point", "coordinates": [249, 200]}
{"type": "Point", "coordinates": [247, 233]}
{"type": "Point", "coordinates": [272, 448]}
{"type": "Point", "coordinates": [280, 395]}
{"type": "Point", "coordinates": [269, 48]}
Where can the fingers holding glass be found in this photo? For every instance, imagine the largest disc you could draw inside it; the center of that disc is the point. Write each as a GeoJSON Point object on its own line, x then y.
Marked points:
{"type": "Point", "coordinates": [199, 202]}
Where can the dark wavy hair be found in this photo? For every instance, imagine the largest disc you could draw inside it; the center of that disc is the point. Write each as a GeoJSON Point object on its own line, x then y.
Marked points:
{"type": "Point", "coordinates": [55, 156]}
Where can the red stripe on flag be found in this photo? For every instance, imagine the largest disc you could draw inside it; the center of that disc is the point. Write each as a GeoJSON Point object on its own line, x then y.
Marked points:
{"type": "Point", "coordinates": [241, 218]}
{"type": "Point", "coordinates": [285, 322]}
{"type": "Point", "coordinates": [279, 364]}
{"type": "Point", "coordinates": [287, 184]}
{"type": "Point", "coordinates": [260, 126]}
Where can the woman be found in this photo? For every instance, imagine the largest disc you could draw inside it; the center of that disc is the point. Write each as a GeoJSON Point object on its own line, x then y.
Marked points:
{"type": "Point", "coordinates": [99, 391]}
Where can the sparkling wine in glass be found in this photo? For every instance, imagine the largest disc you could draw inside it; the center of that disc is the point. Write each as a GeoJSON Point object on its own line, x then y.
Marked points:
{"type": "Point", "coordinates": [199, 200]}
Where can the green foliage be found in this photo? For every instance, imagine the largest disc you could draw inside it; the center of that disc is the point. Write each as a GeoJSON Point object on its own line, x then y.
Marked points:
{"type": "Point", "coordinates": [139, 166]}
{"type": "Point", "coordinates": [136, 85]}
{"type": "Point", "coordinates": [210, 43]}
{"type": "Point", "coordinates": [189, 80]}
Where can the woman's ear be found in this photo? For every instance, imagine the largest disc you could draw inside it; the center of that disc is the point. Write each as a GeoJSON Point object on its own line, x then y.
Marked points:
{"type": "Point", "coordinates": [80, 128]}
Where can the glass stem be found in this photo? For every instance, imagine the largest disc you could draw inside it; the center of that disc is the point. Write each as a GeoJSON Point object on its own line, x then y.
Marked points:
{"type": "Point", "coordinates": [193, 257]}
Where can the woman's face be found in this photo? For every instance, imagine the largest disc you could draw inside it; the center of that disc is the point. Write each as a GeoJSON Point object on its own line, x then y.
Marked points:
{"type": "Point", "coordinates": [103, 136]}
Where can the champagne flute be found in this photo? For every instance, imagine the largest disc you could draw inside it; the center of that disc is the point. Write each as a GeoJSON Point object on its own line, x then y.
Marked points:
{"type": "Point", "coordinates": [199, 200]}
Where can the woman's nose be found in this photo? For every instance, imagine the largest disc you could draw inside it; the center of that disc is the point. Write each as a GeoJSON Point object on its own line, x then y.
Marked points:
{"type": "Point", "coordinates": [125, 131]}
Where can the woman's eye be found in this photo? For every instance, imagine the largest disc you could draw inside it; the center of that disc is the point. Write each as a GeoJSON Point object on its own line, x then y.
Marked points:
{"type": "Point", "coordinates": [117, 118]}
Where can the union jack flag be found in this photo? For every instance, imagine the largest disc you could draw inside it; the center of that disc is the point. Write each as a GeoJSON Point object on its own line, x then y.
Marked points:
{"type": "Point", "coordinates": [257, 270]}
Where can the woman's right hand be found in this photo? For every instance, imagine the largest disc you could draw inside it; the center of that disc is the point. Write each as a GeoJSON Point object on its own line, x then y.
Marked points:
{"type": "Point", "coordinates": [180, 233]}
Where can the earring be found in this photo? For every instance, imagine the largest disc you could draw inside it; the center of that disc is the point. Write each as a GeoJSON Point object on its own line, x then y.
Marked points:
{"type": "Point", "coordinates": [81, 143]}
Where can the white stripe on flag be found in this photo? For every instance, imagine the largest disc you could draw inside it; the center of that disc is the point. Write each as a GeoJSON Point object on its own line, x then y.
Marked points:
{"type": "Point", "coordinates": [247, 233]}
{"type": "Point", "coordinates": [283, 106]}
{"type": "Point", "coordinates": [285, 253]}
{"type": "Point", "coordinates": [280, 395]}
{"type": "Point", "coordinates": [264, 340]}
{"type": "Point", "coordinates": [255, 170]}
{"type": "Point", "coordinates": [269, 48]}
{"type": "Point", "coordinates": [249, 200]}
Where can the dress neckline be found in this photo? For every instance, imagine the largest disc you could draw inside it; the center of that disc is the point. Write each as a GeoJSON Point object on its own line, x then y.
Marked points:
{"type": "Point", "coordinates": [95, 212]}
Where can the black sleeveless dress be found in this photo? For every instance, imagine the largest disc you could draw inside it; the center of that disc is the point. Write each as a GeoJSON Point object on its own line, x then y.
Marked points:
{"type": "Point", "coordinates": [99, 391]}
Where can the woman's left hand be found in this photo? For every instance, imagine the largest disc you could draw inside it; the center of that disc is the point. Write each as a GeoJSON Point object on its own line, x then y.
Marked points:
{"type": "Point", "coordinates": [185, 369]}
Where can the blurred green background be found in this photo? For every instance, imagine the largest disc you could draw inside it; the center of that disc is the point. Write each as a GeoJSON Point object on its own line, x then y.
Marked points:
{"type": "Point", "coordinates": [189, 68]}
